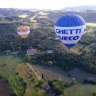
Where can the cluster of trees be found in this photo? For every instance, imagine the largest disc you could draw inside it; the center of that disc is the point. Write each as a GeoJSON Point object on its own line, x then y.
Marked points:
{"type": "Point", "coordinates": [57, 86]}
{"type": "Point", "coordinates": [14, 82]}
{"type": "Point", "coordinates": [94, 93]}
{"type": "Point", "coordinates": [88, 39]}
{"type": "Point", "coordinates": [9, 39]}
{"type": "Point", "coordinates": [67, 61]}
{"type": "Point", "coordinates": [90, 81]}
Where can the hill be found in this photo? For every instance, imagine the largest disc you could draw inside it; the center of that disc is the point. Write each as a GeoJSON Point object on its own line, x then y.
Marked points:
{"type": "Point", "coordinates": [84, 7]}
{"type": "Point", "coordinates": [35, 16]}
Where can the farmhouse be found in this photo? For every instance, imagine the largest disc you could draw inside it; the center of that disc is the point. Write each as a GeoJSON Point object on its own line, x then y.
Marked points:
{"type": "Point", "coordinates": [31, 51]}
{"type": "Point", "coordinates": [15, 52]}
{"type": "Point", "coordinates": [8, 51]}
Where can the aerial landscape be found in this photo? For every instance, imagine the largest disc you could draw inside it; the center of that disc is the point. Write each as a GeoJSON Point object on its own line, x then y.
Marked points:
{"type": "Point", "coordinates": [40, 62]}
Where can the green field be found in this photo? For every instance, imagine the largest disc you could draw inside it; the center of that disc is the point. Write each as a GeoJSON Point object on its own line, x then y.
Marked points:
{"type": "Point", "coordinates": [33, 21]}
{"type": "Point", "coordinates": [80, 90]}
{"type": "Point", "coordinates": [23, 15]}
{"type": "Point", "coordinates": [8, 64]}
{"type": "Point", "coordinates": [51, 73]}
{"type": "Point", "coordinates": [42, 13]}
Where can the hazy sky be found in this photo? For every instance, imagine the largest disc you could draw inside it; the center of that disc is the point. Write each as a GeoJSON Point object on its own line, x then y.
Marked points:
{"type": "Point", "coordinates": [44, 4]}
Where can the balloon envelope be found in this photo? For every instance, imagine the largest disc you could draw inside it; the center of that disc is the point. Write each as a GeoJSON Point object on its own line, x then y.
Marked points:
{"type": "Point", "coordinates": [69, 29]}
{"type": "Point", "coordinates": [23, 31]}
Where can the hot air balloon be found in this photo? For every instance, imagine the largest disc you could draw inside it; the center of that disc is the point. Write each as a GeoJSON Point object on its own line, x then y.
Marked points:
{"type": "Point", "coordinates": [69, 29]}
{"type": "Point", "coordinates": [23, 31]}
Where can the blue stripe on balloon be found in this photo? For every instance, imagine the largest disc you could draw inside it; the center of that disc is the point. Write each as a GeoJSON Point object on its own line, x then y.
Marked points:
{"type": "Point", "coordinates": [69, 45]}
{"type": "Point", "coordinates": [70, 20]}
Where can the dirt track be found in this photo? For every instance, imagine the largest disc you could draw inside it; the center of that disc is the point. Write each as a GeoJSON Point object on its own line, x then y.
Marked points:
{"type": "Point", "coordinates": [4, 89]}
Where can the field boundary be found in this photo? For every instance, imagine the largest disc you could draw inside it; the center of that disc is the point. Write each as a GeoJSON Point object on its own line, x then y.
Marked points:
{"type": "Point", "coordinates": [34, 71]}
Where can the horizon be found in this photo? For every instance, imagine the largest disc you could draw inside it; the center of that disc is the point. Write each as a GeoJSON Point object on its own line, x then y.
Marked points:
{"type": "Point", "coordinates": [48, 5]}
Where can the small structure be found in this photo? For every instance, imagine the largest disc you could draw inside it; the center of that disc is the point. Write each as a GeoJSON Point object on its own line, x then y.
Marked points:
{"type": "Point", "coordinates": [47, 87]}
{"type": "Point", "coordinates": [50, 63]}
{"type": "Point", "coordinates": [57, 38]}
{"type": "Point", "coordinates": [8, 51]}
{"type": "Point", "coordinates": [31, 51]}
{"type": "Point", "coordinates": [49, 51]}
{"type": "Point", "coordinates": [15, 52]}
{"type": "Point", "coordinates": [60, 95]}
{"type": "Point", "coordinates": [94, 46]}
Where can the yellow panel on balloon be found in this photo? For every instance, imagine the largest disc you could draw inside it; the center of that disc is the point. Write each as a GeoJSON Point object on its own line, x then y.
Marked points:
{"type": "Point", "coordinates": [24, 36]}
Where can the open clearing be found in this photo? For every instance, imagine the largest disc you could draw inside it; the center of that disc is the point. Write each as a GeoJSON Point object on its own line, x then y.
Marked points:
{"type": "Point", "coordinates": [81, 75]}
{"type": "Point", "coordinates": [10, 64]}
{"type": "Point", "coordinates": [80, 90]}
{"type": "Point", "coordinates": [23, 15]}
{"type": "Point", "coordinates": [51, 73]}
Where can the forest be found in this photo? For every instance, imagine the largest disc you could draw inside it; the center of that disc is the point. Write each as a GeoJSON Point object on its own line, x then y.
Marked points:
{"type": "Point", "coordinates": [10, 40]}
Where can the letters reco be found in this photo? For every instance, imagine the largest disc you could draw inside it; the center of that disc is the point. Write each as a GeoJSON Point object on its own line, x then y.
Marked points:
{"type": "Point", "coordinates": [68, 32]}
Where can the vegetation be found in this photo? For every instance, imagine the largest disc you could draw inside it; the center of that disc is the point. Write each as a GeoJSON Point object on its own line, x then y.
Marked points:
{"type": "Point", "coordinates": [94, 94]}
{"type": "Point", "coordinates": [80, 90]}
{"type": "Point", "coordinates": [17, 84]}
{"type": "Point", "coordinates": [21, 78]}
{"type": "Point", "coordinates": [57, 86]}
{"type": "Point", "coordinates": [90, 81]}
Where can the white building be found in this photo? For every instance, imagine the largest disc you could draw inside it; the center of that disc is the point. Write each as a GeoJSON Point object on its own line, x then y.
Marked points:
{"type": "Point", "coordinates": [31, 51]}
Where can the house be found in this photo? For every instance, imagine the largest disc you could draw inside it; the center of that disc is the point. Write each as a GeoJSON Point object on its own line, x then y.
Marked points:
{"type": "Point", "coordinates": [15, 52]}
{"type": "Point", "coordinates": [48, 51]}
{"type": "Point", "coordinates": [8, 51]}
{"type": "Point", "coordinates": [31, 51]}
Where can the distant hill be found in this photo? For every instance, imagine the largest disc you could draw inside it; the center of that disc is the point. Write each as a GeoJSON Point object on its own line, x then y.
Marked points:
{"type": "Point", "coordinates": [88, 15]}
{"type": "Point", "coordinates": [86, 7]}
{"type": "Point", "coordinates": [12, 18]}
{"type": "Point", "coordinates": [12, 14]}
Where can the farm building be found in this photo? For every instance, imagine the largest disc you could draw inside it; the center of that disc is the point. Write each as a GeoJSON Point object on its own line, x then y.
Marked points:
{"type": "Point", "coordinates": [15, 52]}
{"type": "Point", "coordinates": [31, 51]}
{"type": "Point", "coordinates": [48, 51]}
{"type": "Point", "coordinates": [8, 51]}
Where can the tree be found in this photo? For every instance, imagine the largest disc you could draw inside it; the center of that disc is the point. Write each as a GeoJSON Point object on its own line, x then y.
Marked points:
{"type": "Point", "coordinates": [40, 83]}
{"type": "Point", "coordinates": [58, 86]}
{"type": "Point", "coordinates": [94, 93]}
{"type": "Point", "coordinates": [33, 79]}
{"type": "Point", "coordinates": [28, 58]}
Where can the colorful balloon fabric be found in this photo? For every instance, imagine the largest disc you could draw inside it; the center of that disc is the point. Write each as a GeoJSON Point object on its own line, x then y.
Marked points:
{"type": "Point", "coordinates": [69, 29]}
{"type": "Point", "coordinates": [23, 31]}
